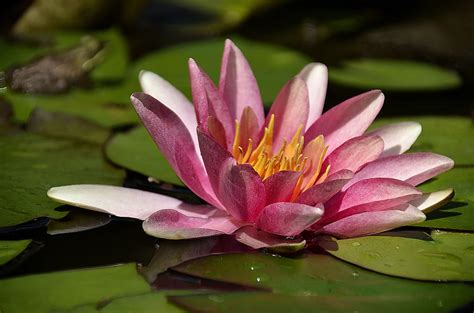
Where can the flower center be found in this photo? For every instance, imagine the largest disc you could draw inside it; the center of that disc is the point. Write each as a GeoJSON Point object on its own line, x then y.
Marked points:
{"type": "Point", "coordinates": [290, 156]}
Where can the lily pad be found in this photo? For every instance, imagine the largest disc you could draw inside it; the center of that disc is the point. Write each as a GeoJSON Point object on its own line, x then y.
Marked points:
{"type": "Point", "coordinates": [244, 302]}
{"type": "Point", "coordinates": [273, 66]}
{"type": "Point", "coordinates": [396, 75]}
{"type": "Point", "coordinates": [31, 164]}
{"type": "Point", "coordinates": [323, 275]}
{"type": "Point", "coordinates": [66, 290]}
{"type": "Point", "coordinates": [450, 136]}
{"type": "Point", "coordinates": [459, 213]}
{"type": "Point", "coordinates": [447, 257]}
{"type": "Point", "coordinates": [147, 303]}
{"type": "Point", "coordinates": [9, 249]}
{"type": "Point", "coordinates": [135, 150]}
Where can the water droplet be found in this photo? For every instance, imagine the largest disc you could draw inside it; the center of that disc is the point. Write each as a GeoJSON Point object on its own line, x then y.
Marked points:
{"type": "Point", "coordinates": [215, 298]}
{"type": "Point", "coordinates": [355, 244]}
{"type": "Point", "coordinates": [443, 259]}
{"type": "Point", "coordinates": [440, 303]}
{"type": "Point", "coordinates": [261, 278]}
{"type": "Point", "coordinates": [355, 274]}
{"type": "Point", "coordinates": [397, 247]}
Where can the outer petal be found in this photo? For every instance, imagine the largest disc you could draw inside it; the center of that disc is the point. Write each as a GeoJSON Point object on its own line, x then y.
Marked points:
{"type": "Point", "coordinates": [123, 202]}
{"type": "Point", "coordinates": [258, 239]}
{"type": "Point", "coordinates": [241, 191]}
{"type": "Point", "coordinates": [238, 85]}
{"type": "Point", "coordinates": [323, 192]}
{"type": "Point", "coordinates": [354, 153]}
{"type": "Point", "coordinates": [369, 223]}
{"type": "Point", "coordinates": [238, 187]}
{"type": "Point", "coordinates": [290, 108]}
{"type": "Point", "coordinates": [433, 200]}
{"type": "Point", "coordinates": [374, 194]}
{"type": "Point", "coordinates": [163, 91]}
{"type": "Point", "coordinates": [172, 224]}
{"type": "Point", "coordinates": [208, 101]}
{"type": "Point", "coordinates": [288, 218]}
{"type": "Point", "coordinates": [398, 137]}
{"type": "Point", "coordinates": [413, 168]}
{"type": "Point", "coordinates": [347, 120]}
{"type": "Point", "coordinates": [279, 187]}
{"type": "Point", "coordinates": [172, 138]}
{"type": "Point", "coordinates": [316, 77]}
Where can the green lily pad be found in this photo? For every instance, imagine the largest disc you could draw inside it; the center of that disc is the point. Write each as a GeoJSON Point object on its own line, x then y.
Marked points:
{"type": "Point", "coordinates": [244, 302]}
{"type": "Point", "coordinates": [450, 136]}
{"type": "Point", "coordinates": [323, 275]}
{"type": "Point", "coordinates": [273, 66]}
{"type": "Point", "coordinates": [135, 150]}
{"type": "Point", "coordinates": [397, 75]}
{"type": "Point", "coordinates": [459, 213]}
{"type": "Point", "coordinates": [68, 289]}
{"type": "Point", "coordinates": [9, 249]}
{"type": "Point", "coordinates": [147, 303]}
{"type": "Point", "coordinates": [106, 106]}
{"type": "Point", "coordinates": [31, 164]}
{"type": "Point", "coordinates": [448, 257]}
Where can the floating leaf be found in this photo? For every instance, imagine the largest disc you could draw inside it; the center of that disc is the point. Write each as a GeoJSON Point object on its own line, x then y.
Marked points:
{"type": "Point", "coordinates": [450, 136]}
{"type": "Point", "coordinates": [399, 75]}
{"type": "Point", "coordinates": [135, 150]}
{"type": "Point", "coordinates": [9, 249]}
{"type": "Point", "coordinates": [244, 302]}
{"type": "Point", "coordinates": [459, 213]}
{"type": "Point", "coordinates": [323, 275]}
{"type": "Point", "coordinates": [65, 290]}
{"type": "Point", "coordinates": [447, 257]}
{"type": "Point", "coordinates": [273, 66]}
{"type": "Point", "coordinates": [31, 164]}
{"type": "Point", "coordinates": [147, 303]}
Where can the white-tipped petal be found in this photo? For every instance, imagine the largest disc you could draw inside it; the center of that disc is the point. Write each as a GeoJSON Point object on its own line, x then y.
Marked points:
{"type": "Point", "coordinates": [123, 202]}
{"type": "Point", "coordinates": [398, 137]}
{"type": "Point", "coordinates": [431, 201]}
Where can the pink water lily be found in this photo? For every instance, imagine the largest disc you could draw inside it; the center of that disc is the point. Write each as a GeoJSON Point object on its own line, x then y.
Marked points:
{"type": "Point", "coordinates": [267, 179]}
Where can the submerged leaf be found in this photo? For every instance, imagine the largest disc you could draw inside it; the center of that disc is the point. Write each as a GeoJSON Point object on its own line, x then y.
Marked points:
{"type": "Point", "coordinates": [11, 248]}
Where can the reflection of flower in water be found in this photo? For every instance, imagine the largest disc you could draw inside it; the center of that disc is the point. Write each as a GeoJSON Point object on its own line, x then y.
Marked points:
{"type": "Point", "coordinates": [267, 179]}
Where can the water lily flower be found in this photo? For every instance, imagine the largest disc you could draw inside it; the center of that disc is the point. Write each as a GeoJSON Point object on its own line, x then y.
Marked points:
{"type": "Point", "coordinates": [267, 179]}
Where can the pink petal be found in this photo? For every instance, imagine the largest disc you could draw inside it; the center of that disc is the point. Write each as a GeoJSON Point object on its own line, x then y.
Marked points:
{"type": "Point", "coordinates": [258, 239]}
{"type": "Point", "coordinates": [316, 77]}
{"type": "Point", "coordinates": [164, 92]}
{"type": "Point", "coordinates": [238, 187]}
{"type": "Point", "coordinates": [354, 153]}
{"type": "Point", "coordinates": [249, 127]}
{"type": "Point", "coordinates": [238, 85]}
{"type": "Point", "coordinates": [123, 202]}
{"type": "Point", "coordinates": [172, 138]}
{"type": "Point", "coordinates": [290, 108]}
{"type": "Point", "coordinates": [279, 187]}
{"type": "Point", "coordinates": [413, 168]}
{"type": "Point", "coordinates": [398, 137]}
{"type": "Point", "coordinates": [347, 120]}
{"type": "Point", "coordinates": [431, 201]}
{"type": "Point", "coordinates": [172, 224]}
{"type": "Point", "coordinates": [241, 191]}
{"type": "Point", "coordinates": [323, 192]}
{"type": "Point", "coordinates": [369, 223]}
{"type": "Point", "coordinates": [208, 101]}
{"type": "Point", "coordinates": [374, 194]}
{"type": "Point", "coordinates": [288, 218]}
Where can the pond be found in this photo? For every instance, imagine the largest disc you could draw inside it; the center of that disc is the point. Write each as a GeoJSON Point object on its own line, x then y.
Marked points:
{"type": "Point", "coordinates": [289, 188]}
